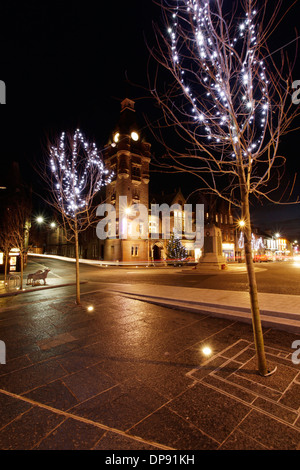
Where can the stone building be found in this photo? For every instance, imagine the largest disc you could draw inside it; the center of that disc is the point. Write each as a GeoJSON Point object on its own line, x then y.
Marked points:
{"type": "Point", "coordinates": [128, 156]}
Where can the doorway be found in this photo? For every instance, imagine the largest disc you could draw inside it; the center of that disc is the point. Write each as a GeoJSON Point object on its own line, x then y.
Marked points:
{"type": "Point", "coordinates": [156, 253]}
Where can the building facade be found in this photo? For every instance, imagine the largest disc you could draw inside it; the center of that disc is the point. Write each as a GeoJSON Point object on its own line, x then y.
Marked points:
{"type": "Point", "coordinates": [134, 240]}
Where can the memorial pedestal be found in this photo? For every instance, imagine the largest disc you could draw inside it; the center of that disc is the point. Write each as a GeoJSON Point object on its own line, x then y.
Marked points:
{"type": "Point", "coordinates": [212, 258]}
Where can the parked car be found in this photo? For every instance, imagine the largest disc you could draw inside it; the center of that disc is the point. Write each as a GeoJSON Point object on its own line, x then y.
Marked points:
{"type": "Point", "coordinates": [262, 258]}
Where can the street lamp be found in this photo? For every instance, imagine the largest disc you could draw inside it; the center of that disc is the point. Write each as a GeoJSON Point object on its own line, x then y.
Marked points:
{"type": "Point", "coordinates": [239, 248]}
{"type": "Point", "coordinates": [40, 219]}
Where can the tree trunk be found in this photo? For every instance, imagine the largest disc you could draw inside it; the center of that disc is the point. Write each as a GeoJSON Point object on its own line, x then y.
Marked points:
{"type": "Point", "coordinates": [6, 267]}
{"type": "Point", "coordinates": [22, 269]}
{"type": "Point", "coordinates": [256, 321]}
{"type": "Point", "coordinates": [77, 266]}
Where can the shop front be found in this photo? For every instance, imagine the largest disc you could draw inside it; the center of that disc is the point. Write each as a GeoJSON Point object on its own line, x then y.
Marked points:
{"type": "Point", "coordinates": [228, 251]}
{"type": "Point", "coordinates": [14, 262]}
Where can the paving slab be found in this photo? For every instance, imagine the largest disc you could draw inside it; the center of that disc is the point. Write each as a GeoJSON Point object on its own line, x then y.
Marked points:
{"type": "Point", "coordinates": [132, 375]}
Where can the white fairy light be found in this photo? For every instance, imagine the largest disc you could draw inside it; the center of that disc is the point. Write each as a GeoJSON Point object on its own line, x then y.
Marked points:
{"type": "Point", "coordinates": [200, 40]}
{"type": "Point", "coordinates": [77, 172]}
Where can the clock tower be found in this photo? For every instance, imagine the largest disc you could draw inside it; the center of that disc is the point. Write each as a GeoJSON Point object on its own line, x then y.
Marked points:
{"type": "Point", "coordinates": [128, 156]}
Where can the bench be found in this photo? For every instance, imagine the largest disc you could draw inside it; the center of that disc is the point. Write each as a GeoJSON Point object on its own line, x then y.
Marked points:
{"type": "Point", "coordinates": [32, 278]}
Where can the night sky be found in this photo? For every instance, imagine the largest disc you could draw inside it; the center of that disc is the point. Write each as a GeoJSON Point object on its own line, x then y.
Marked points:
{"type": "Point", "coordinates": [70, 64]}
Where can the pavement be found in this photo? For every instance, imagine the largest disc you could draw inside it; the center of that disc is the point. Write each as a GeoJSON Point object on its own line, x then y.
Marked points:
{"type": "Point", "coordinates": [276, 310]}
{"type": "Point", "coordinates": [133, 374]}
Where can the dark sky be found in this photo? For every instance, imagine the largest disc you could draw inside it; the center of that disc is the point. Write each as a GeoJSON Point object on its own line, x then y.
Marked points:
{"type": "Point", "coordinates": [66, 65]}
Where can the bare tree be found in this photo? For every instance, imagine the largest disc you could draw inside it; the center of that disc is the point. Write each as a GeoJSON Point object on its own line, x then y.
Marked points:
{"type": "Point", "coordinates": [74, 173]}
{"type": "Point", "coordinates": [6, 241]}
{"type": "Point", "coordinates": [230, 104]}
{"type": "Point", "coordinates": [18, 226]}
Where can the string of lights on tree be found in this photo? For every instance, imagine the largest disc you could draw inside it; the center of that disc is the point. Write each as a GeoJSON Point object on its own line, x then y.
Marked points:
{"type": "Point", "coordinates": [175, 250]}
{"type": "Point", "coordinates": [256, 243]}
{"type": "Point", "coordinates": [78, 170]}
{"type": "Point", "coordinates": [227, 86]}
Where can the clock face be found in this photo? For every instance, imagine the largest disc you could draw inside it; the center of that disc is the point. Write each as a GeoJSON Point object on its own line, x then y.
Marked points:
{"type": "Point", "coordinates": [134, 136]}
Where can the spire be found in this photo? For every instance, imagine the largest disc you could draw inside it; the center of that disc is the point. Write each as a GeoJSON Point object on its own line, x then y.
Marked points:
{"type": "Point", "coordinates": [127, 104]}
{"type": "Point", "coordinates": [127, 121]}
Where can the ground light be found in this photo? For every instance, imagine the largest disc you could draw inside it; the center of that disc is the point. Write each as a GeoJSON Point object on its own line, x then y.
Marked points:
{"type": "Point", "coordinates": [90, 308]}
{"type": "Point", "coordinates": [207, 351]}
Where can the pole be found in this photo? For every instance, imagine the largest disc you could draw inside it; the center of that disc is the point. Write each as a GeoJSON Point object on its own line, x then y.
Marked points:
{"type": "Point", "coordinates": [77, 265]}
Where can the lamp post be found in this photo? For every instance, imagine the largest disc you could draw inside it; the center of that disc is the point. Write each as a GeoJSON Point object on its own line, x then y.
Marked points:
{"type": "Point", "coordinates": [41, 221]}
{"type": "Point", "coordinates": [277, 235]}
{"type": "Point", "coordinates": [241, 224]}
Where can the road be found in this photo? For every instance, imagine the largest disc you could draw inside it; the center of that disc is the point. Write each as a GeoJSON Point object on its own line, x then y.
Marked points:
{"type": "Point", "coordinates": [276, 277]}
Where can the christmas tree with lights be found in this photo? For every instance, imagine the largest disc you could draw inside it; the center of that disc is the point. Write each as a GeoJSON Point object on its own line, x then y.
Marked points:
{"type": "Point", "coordinates": [175, 251]}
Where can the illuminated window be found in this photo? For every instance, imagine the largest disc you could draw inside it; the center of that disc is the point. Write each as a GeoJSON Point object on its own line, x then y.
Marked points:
{"type": "Point", "coordinates": [152, 226]}
{"type": "Point", "coordinates": [177, 221]}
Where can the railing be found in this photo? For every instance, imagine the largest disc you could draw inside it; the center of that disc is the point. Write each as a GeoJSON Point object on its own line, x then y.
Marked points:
{"type": "Point", "coordinates": [14, 282]}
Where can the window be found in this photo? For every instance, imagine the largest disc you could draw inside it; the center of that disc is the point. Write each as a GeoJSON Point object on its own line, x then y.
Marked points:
{"type": "Point", "coordinates": [136, 171]}
{"type": "Point", "coordinates": [153, 226]}
{"type": "Point", "coordinates": [95, 251]}
{"type": "Point", "coordinates": [177, 221]}
{"type": "Point", "coordinates": [135, 250]}
{"type": "Point", "coordinates": [135, 194]}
